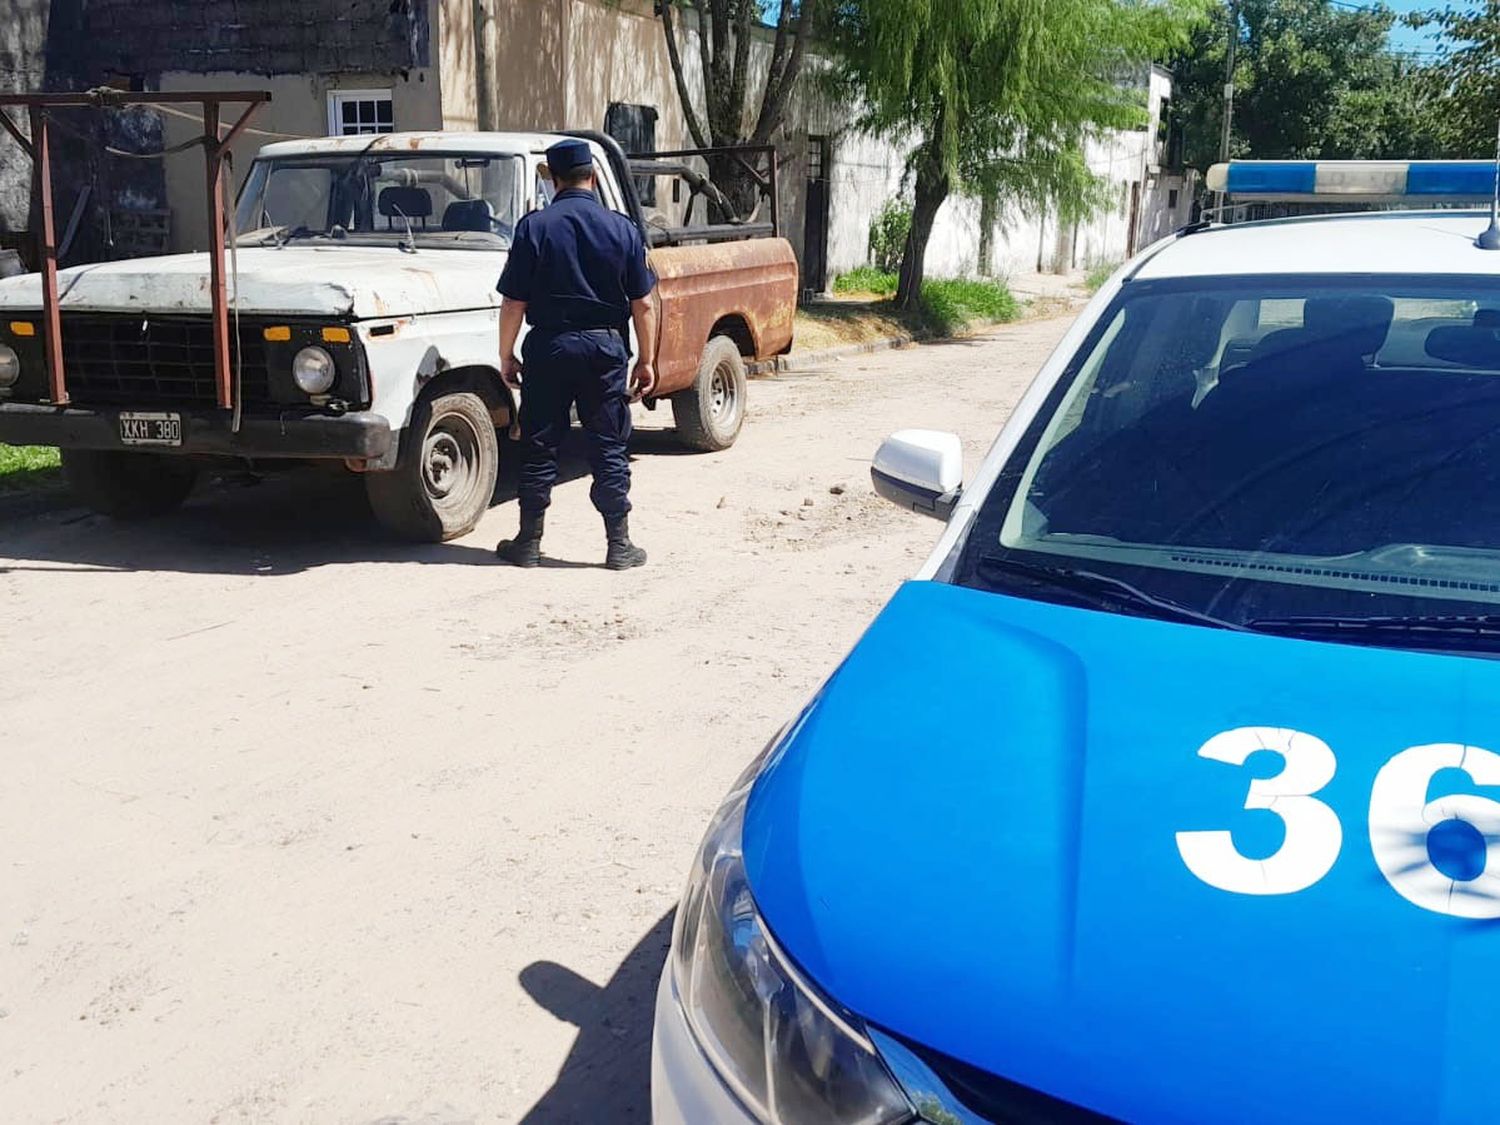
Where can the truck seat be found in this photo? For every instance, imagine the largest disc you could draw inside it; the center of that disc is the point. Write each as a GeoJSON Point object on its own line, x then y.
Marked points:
{"type": "Point", "coordinates": [469, 214]}
{"type": "Point", "coordinates": [413, 202]}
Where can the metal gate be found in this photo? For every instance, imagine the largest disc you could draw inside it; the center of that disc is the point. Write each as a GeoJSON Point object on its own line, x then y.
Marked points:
{"type": "Point", "coordinates": [815, 228]}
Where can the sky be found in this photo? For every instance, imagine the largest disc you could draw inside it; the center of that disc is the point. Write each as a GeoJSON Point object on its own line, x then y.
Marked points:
{"type": "Point", "coordinates": [1410, 39]}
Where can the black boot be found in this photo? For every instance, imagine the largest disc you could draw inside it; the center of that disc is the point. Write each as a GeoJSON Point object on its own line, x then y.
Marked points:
{"type": "Point", "coordinates": [623, 554]}
{"type": "Point", "coordinates": [526, 548]}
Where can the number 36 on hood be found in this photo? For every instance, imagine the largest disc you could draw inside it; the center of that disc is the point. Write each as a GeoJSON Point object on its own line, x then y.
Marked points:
{"type": "Point", "coordinates": [1400, 820]}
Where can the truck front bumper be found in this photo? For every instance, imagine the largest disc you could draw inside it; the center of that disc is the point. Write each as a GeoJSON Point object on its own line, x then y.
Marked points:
{"type": "Point", "coordinates": [357, 436]}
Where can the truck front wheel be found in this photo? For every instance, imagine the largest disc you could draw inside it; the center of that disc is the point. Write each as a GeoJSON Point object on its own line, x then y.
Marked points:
{"type": "Point", "coordinates": [128, 486]}
{"type": "Point", "coordinates": [709, 414]}
{"type": "Point", "coordinates": [444, 479]}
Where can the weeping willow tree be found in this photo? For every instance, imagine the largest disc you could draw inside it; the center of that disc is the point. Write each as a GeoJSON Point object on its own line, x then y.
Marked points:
{"type": "Point", "coordinates": [1000, 97]}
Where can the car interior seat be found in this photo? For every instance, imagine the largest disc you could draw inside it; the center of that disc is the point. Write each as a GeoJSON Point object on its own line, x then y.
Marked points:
{"type": "Point", "coordinates": [469, 214]}
{"type": "Point", "coordinates": [1338, 335]}
{"type": "Point", "coordinates": [413, 203]}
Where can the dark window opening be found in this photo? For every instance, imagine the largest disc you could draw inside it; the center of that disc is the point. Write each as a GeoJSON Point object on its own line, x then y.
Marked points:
{"type": "Point", "coordinates": [634, 126]}
{"type": "Point", "coordinates": [360, 112]}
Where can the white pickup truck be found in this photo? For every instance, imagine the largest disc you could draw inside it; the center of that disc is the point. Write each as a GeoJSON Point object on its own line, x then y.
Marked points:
{"type": "Point", "coordinates": [363, 329]}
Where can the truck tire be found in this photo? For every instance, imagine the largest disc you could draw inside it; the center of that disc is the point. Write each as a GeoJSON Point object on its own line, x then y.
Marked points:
{"type": "Point", "coordinates": [444, 479]}
{"type": "Point", "coordinates": [709, 414]}
{"type": "Point", "coordinates": [128, 486]}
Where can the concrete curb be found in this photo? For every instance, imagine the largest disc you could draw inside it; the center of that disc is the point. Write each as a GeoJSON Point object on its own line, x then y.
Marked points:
{"type": "Point", "coordinates": [805, 361]}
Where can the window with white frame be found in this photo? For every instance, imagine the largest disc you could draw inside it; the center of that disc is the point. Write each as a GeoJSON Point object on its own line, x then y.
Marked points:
{"type": "Point", "coordinates": [352, 113]}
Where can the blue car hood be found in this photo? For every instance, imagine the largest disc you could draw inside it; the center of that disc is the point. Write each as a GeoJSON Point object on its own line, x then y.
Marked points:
{"type": "Point", "coordinates": [969, 839]}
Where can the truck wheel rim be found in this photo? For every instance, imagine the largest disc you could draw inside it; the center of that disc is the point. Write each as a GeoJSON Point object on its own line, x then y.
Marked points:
{"type": "Point", "coordinates": [723, 395]}
{"type": "Point", "coordinates": [450, 461]}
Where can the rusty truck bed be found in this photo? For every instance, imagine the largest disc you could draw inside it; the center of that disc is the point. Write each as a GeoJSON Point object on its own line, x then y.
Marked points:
{"type": "Point", "coordinates": [744, 290]}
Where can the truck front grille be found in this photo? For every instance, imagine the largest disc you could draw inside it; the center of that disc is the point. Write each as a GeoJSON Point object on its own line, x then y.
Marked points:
{"type": "Point", "coordinates": [127, 360]}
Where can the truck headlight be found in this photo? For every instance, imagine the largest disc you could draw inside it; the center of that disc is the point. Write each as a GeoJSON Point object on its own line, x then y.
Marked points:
{"type": "Point", "coordinates": [313, 370]}
{"type": "Point", "coordinates": [783, 1049]}
{"type": "Point", "coordinates": [10, 366]}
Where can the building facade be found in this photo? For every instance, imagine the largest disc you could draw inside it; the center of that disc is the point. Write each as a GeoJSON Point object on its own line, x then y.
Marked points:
{"type": "Point", "coordinates": [367, 66]}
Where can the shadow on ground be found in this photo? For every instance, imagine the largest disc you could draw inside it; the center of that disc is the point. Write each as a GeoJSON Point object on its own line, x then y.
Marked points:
{"type": "Point", "coordinates": [280, 523]}
{"type": "Point", "coordinates": [607, 1074]}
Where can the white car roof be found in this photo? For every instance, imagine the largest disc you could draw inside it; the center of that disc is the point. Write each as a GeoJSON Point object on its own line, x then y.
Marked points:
{"type": "Point", "coordinates": [415, 142]}
{"type": "Point", "coordinates": [1406, 242]}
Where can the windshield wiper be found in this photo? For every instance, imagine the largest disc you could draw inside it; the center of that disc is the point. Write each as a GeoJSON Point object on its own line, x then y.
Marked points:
{"type": "Point", "coordinates": [1481, 631]}
{"type": "Point", "coordinates": [282, 235]}
{"type": "Point", "coordinates": [1095, 588]}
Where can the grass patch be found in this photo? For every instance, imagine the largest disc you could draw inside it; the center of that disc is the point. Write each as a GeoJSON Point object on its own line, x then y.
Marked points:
{"type": "Point", "coordinates": [1099, 275]}
{"type": "Point", "coordinates": [866, 279]}
{"type": "Point", "coordinates": [865, 315]}
{"type": "Point", "coordinates": [951, 306]}
{"type": "Point", "coordinates": [28, 466]}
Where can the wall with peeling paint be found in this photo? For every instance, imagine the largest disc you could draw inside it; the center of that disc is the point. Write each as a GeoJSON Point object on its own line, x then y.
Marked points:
{"type": "Point", "coordinates": [198, 44]}
{"type": "Point", "coordinates": [23, 35]}
{"type": "Point", "coordinates": [124, 37]}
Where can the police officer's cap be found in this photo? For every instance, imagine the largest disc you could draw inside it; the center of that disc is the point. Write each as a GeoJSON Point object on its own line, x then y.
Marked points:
{"type": "Point", "coordinates": [568, 156]}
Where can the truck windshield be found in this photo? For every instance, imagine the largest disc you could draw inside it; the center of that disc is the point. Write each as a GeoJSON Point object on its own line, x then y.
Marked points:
{"type": "Point", "coordinates": [467, 200]}
{"type": "Point", "coordinates": [1312, 456]}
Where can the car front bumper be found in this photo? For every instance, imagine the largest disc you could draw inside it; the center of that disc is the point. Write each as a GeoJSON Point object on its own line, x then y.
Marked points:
{"type": "Point", "coordinates": [685, 1090]}
{"type": "Point", "coordinates": [359, 436]}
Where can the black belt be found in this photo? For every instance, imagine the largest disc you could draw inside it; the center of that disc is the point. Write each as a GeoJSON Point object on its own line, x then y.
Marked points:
{"type": "Point", "coordinates": [584, 329]}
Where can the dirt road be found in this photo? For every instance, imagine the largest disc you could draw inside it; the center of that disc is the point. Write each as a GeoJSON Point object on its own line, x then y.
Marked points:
{"type": "Point", "coordinates": [296, 825]}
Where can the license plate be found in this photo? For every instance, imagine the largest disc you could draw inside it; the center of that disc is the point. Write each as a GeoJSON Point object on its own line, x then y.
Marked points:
{"type": "Point", "coordinates": [151, 429]}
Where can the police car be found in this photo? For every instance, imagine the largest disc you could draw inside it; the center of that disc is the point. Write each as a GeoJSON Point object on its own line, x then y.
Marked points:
{"type": "Point", "coordinates": [1169, 791]}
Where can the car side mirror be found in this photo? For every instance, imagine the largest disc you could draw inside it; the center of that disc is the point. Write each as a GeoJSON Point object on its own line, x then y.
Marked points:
{"type": "Point", "coordinates": [922, 470]}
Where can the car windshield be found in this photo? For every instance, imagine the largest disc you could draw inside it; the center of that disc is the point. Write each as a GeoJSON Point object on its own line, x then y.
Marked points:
{"type": "Point", "coordinates": [1313, 456]}
{"type": "Point", "coordinates": [469, 200]}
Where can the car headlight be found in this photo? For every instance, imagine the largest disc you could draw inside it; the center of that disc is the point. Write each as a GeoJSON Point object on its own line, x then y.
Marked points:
{"type": "Point", "coordinates": [313, 370]}
{"type": "Point", "coordinates": [783, 1049]}
{"type": "Point", "coordinates": [10, 366]}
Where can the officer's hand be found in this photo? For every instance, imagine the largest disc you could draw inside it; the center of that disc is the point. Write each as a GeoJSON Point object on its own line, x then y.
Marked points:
{"type": "Point", "coordinates": [511, 372]}
{"type": "Point", "coordinates": [642, 381]}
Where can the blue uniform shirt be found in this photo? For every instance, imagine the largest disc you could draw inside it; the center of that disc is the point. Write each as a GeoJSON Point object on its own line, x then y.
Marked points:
{"type": "Point", "coordinates": [577, 265]}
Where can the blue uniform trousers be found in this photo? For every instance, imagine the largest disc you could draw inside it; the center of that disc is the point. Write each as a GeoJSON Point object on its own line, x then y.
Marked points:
{"type": "Point", "coordinates": [587, 368]}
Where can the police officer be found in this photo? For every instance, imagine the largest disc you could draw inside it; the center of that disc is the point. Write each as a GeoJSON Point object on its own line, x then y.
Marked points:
{"type": "Point", "coordinates": [577, 274]}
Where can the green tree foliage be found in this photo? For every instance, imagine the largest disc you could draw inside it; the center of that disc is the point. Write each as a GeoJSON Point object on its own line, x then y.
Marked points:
{"type": "Point", "coordinates": [1463, 85]}
{"type": "Point", "coordinates": [1312, 79]}
{"type": "Point", "coordinates": [1000, 96]}
{"type": "Point", "coordinates": [888, 233]}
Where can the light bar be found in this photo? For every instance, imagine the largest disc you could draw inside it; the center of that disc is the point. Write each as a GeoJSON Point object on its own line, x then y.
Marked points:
{"type": "Point", "coordinates": [1364, 181]}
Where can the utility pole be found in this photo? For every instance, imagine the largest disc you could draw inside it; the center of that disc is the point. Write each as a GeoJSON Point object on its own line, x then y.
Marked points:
{"type": "Point", "coordinates": [1234, 40]}
{"type": "Point", "coordinates": [485, 101]}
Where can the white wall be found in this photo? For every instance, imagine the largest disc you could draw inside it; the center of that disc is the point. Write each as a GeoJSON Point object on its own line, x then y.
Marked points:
{"type": "Point", "coordinates": [868, 171]}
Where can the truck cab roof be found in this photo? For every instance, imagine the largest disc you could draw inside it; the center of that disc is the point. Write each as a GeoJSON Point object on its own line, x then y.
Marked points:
{"type": "Point", "coordinates": [433, 141]}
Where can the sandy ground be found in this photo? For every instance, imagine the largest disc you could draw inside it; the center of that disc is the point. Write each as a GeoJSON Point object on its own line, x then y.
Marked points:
{"type": "Point", "coordinates": [297, 825]}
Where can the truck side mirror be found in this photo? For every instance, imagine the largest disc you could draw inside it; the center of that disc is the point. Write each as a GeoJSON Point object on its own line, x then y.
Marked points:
{"type": "Point", "coordinates": [920, 469]}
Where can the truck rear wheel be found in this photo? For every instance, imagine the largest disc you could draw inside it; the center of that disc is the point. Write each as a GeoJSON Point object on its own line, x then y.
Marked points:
{"type": "Point", "coordinates": [709, 414]}
{"type": "Point", "coordinates": [444, 479]}
{"type": "Point", "coordinates": [128, 486]}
